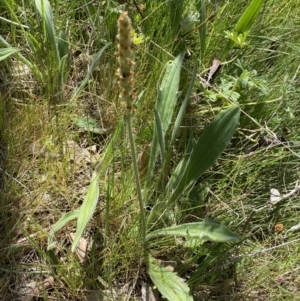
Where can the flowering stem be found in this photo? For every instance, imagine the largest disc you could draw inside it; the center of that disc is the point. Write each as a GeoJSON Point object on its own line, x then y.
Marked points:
{"type": "Point", "coordinates": [126, 79]}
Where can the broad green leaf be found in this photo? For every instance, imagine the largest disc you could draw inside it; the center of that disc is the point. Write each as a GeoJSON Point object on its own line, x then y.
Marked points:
{"type": "Point", "coordinates": [208, 149]}
{"type": "Point", "coordinates": [207, 230]}
{"type": "Point", "coordinates": [171, 286]}
{"type": "Point", "coordinates": [91, 70]}
{"type": "Point", "coordinates": [244, 24]}
{"type": "Point", "coordinates": [64, 220]}
{"type": "Point", "coordinates": [165, 105]}
{"type": "Point", "coordinates": [87, 209]}
{"type": "Point", "coordinates": [6, 52]}
{"type": "Point", "coordinates": [167, 96]}
{"type": "Point", "coordinates": [89, 124]}
{"type": "Point", "coordinates": [166, 153]}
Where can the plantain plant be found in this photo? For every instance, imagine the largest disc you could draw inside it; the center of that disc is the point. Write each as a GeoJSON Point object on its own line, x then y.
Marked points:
{"type": "Point", "coordinates": [204, 153]}
{"type": "Point", "coordinates": [157, 188]}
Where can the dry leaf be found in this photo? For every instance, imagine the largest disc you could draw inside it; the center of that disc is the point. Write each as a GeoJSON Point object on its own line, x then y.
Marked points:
{"type": "Point", "coordinates": [82, 247]}
{"type": "Point", "coordinates": [213, 69]}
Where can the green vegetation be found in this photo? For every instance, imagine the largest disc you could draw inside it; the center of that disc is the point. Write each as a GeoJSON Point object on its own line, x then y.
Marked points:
{"type": "Point", "coordinates": [142, 164]}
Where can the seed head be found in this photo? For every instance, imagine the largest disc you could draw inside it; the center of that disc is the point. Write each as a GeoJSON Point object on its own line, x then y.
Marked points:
{"type": "Point", "coordinates": [125, 71]}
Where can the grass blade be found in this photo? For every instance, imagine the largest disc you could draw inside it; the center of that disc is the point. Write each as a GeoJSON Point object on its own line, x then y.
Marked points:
{"type": "Point", "coordinates": [202, 29]}
{"type": "Point", "coordinates": [91, 70]}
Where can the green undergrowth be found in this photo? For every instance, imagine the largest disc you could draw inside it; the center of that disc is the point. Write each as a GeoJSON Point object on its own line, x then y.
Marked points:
{"type": "Point", "coordinates": [62, 119]}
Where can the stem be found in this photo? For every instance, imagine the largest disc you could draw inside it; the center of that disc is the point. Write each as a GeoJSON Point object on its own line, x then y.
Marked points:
{"type": "Point", "coordinates": [136, 174]}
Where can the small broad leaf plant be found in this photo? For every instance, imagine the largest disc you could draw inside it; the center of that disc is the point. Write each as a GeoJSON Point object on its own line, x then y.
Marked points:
{"type": "Point", "coordinates": [203, 154]}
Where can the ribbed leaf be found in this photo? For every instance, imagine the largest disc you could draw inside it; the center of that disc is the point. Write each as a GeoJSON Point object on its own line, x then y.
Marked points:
{"type": "Point", "coordinates": [165, 106]}
{"type": "Point", "coordinates": [87, 209]}
{"type": "Point", "coordinates": [63, 45]}
{"type": "Point", "coordinates": [172, 287]}
{"type": "Point", "coordinates": [207, 230]}
{"type": "Point", "coordinates": [6, 52]}
{"type": "Point", "coordinates": [44, 9]}
{"type": "Point", "coordinates": [249, 16]}
{"type": "Point", "coordinates": [183, 106]}
{"type": "Point", "coordinates": [89, 124]}
{"type": "Point", "coordinates": [208, 149]}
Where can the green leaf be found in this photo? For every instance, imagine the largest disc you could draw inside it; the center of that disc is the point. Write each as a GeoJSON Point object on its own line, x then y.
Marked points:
{"type": "Point", "coordinates": [6, 52]}
{"type": "Point", "coordinates": [165, 106]}
{"type": "Point", "coordinates": [21, 57]}
{"type": "Point", "coordinates": [171, 286]}
{"type": "Point", "coordinates": [184, 104]}
{"type": "Point", "coordinates": [207, 230]}
{"type": "Point", "coordinates": [244, 25]}
{"type": "Point", "coordinates": [44, 9]}
{"type": "Point", "coordinates": [202, 29]}
{"type": "Point", "coordinates": [249, 16]}
{"type": "Point", "coordinates": [64, 220]}
{"type": "Point", "coordinates": [62, 66]}
{"type": "Point", "coordinates": [87, 209]}
{"type": "Point", "coordinates": [63, 45]}
{"type": "Point", "coordinates": [208, 149]}
{"type": "Point", "coordinates": [89, 124]}
{"type": "Point", "coordinates": [159, 134]}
